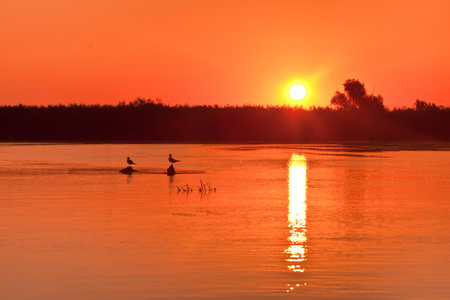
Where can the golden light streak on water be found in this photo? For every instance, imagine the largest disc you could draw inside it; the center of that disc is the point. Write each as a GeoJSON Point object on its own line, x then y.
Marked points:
{"type": "Point", "coordinates": [297, 213]}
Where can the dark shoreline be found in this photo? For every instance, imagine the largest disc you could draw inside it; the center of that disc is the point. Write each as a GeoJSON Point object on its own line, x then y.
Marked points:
{"type": "Point", "coordinates": [145, 121]}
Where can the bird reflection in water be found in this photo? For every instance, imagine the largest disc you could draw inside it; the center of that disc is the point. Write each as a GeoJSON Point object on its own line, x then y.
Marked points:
{"type": "Point", "coordinates": [296, 251]}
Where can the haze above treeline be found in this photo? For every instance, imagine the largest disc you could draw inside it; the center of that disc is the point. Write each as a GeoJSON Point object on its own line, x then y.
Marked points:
{"type": "Point", "coordinates": [353, 115]}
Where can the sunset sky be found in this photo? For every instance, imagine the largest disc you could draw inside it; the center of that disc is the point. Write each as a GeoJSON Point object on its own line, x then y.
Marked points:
{"type": "Point", "coordinates": [221, 52]}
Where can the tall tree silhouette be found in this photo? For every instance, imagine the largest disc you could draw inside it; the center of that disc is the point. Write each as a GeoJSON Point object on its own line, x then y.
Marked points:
{"type": "Point", "coordinates": [355, 97]}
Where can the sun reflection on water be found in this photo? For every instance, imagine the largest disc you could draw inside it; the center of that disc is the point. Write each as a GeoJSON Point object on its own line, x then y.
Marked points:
{"type": "Point", "coordinates": [297, 213]}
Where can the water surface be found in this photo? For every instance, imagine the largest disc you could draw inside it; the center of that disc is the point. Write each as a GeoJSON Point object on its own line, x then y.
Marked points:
{"type": "Point", "coordinates": [323, 221]}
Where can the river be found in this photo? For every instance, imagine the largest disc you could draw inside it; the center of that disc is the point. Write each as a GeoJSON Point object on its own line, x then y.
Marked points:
{"type": "Point", "coordinates": [311, 221]}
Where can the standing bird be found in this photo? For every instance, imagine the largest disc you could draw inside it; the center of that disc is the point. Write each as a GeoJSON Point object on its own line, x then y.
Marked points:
{"type": "Point", "coordinates": [172, 160]}
{"type": "Point", "coordinates": [130, 162]}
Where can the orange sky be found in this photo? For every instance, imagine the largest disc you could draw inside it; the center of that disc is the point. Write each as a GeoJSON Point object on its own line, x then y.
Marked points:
{"type": "Point", "coordinates": [221, 52]}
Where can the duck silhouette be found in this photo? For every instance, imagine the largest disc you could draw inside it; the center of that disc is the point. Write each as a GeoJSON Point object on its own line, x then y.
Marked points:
{"type": "Point", "coordinates": [172, 160]}
{"type": "Point", "coordinates": [130, 162]}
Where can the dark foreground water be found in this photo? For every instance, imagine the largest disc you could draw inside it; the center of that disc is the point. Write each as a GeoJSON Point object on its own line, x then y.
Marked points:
{"type": "Point", "coordinates": [302, 221]}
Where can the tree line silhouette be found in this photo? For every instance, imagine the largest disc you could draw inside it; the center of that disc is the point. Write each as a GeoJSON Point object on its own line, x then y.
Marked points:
{"type": "Point", "coordinates": [352, 116]}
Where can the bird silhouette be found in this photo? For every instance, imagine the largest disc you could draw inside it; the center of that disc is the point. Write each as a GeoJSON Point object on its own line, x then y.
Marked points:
{"type": "Point", "coordinates": [130, 162]}
{"type": "Point", "coordinates": [172, 160]}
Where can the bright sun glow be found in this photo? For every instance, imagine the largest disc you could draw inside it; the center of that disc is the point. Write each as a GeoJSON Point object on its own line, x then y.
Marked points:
{"type": "Point", "coordinates": [297, 92]}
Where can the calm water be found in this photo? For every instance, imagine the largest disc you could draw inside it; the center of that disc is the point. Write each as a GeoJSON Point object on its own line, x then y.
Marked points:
{"type": "Point", "coordinates": [301, 221]}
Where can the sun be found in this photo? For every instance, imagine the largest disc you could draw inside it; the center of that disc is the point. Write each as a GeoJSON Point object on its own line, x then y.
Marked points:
{"type": "Point", "coordinates": [297, 92]}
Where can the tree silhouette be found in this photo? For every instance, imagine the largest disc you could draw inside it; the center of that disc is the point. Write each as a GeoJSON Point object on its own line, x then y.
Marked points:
{"type": "Point", "coordinates": [420, 105]}
{"type": "Point", "coordinates": [340, 100]}
{"type": "Point", "coordinates": [355, 97]}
